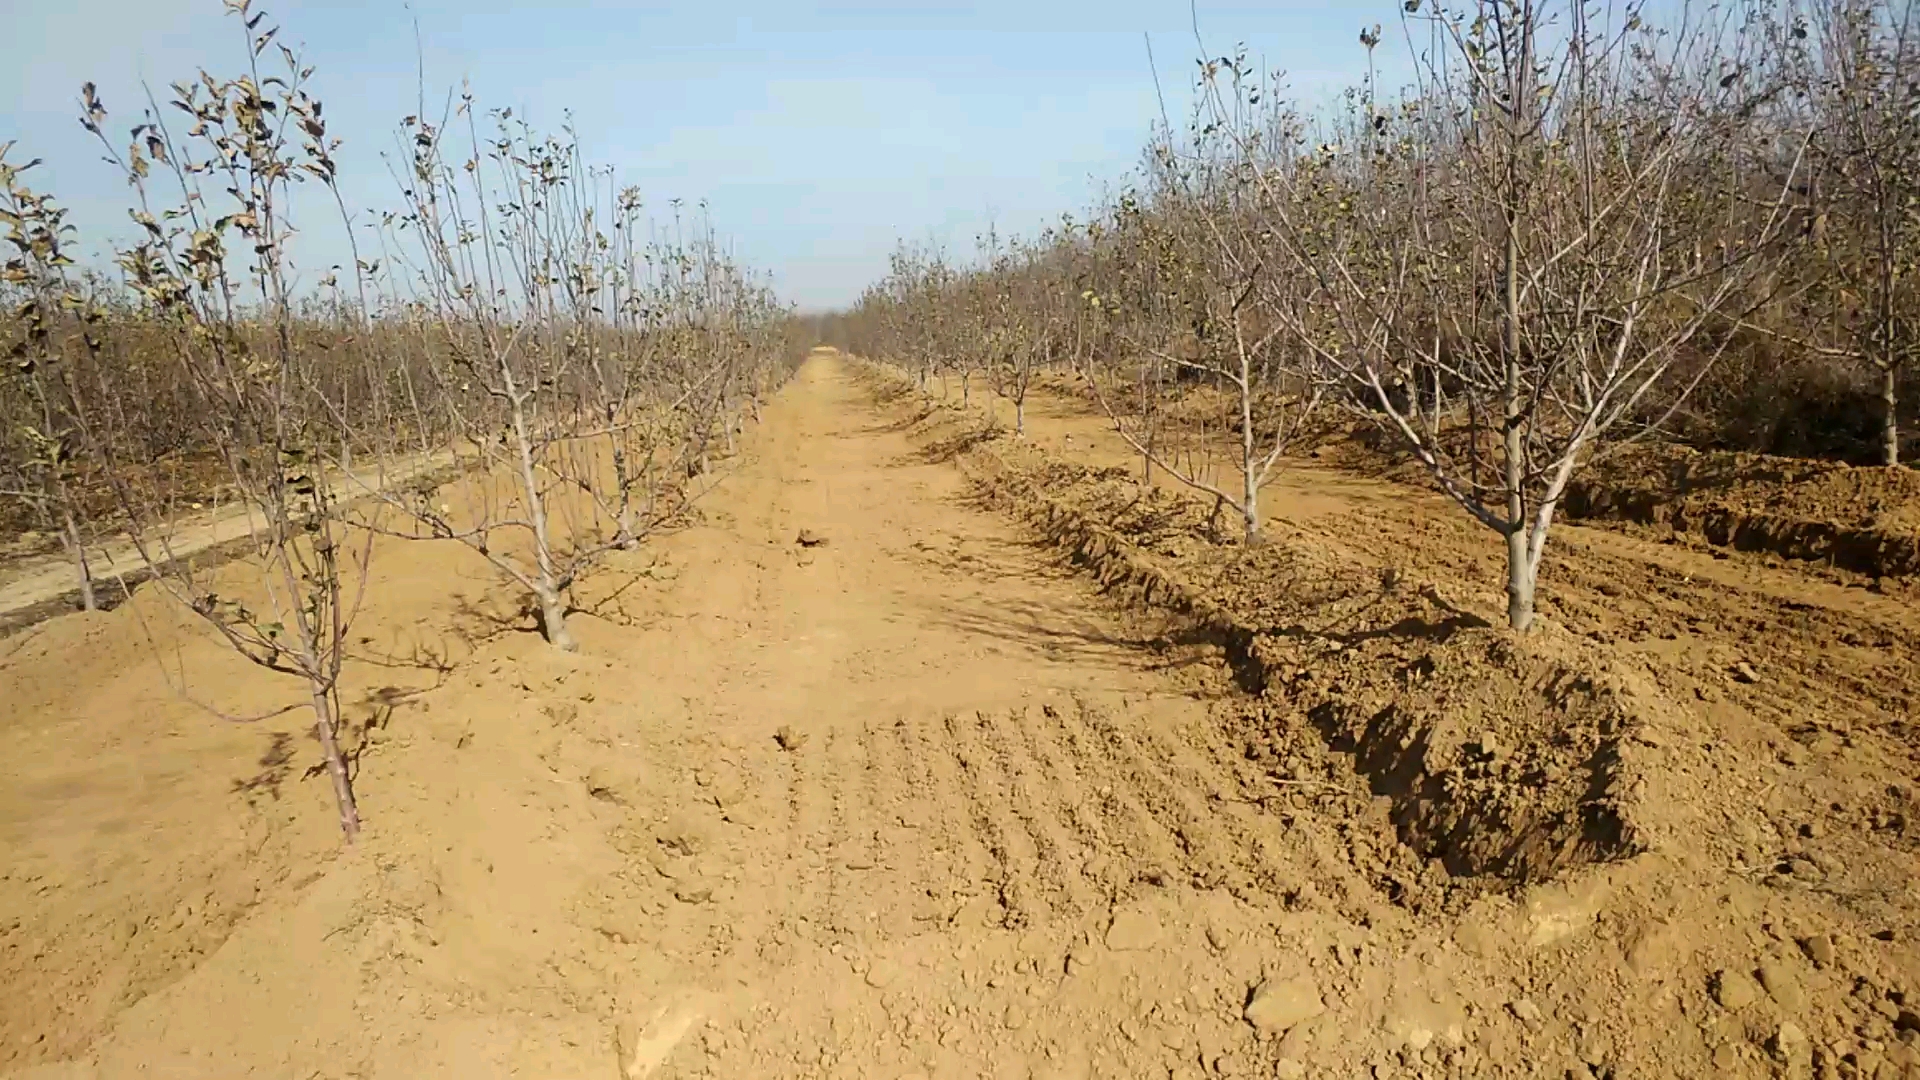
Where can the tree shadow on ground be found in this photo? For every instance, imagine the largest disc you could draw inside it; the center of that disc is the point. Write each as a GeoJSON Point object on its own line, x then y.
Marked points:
{"type": "Point", "coordinates": [276, 764]}
{"type": "Point", "coordinates": [1058, 632]}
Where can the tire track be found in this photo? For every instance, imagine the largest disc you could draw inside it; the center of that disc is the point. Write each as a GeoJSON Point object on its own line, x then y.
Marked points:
{"type": "Point", "coordinates": [1082, 820]}
{"type": "Point", "coordinates": [1147, 849]}
{"type": "Point", "coordinates": [1222, 776]}
{"type": "Point", "coordinates": [1191, 826]}
{"type": "Point", "coordinates": [809, 803]}
{"type": "Point", "coordinates": [1016, 886]}
{"type": "Point", "coordinates": [1061, 857]}
{"type": "Point", "coordinates": [845, 809]}
{"type": "Point", "coordinates": [1007, 818]}
{"type": "Point", "coordinates": [959, 860]}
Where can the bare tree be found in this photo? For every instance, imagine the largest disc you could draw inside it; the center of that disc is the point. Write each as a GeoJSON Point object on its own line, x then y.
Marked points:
{"type": "Point", "coordinates": [252, 138]}
{"type": "Point", "coordinates": [582, 373]}
{"type": "Point", "coordinates": [1529, 249]}
{"type": "Point", "coordinates": [1040, 315]}
{"type": "Point", "coordinates": [48, 474]}
{"type": "Point", "coordinates": [1242, 304]}
{"type": "Point", "coordinates": [1857, 64]}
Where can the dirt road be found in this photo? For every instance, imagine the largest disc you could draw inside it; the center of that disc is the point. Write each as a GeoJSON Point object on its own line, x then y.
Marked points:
{"type": "Point", "coordinates": [39, 585]}
{"type": "Point", "coordinates": [911, 798]}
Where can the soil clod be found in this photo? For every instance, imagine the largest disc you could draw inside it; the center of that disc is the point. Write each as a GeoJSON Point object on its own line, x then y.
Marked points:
{"type": "Point", "coordinates": [1277, 1004]}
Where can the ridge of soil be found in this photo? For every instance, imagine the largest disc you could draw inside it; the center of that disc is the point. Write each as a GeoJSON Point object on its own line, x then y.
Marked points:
{"type": "Point", "coordinates": [1388, 671]}
{"type": "Point", "coordinates": [1857, 519]}
{"type": "Point", "coordinates": [1854, 517]}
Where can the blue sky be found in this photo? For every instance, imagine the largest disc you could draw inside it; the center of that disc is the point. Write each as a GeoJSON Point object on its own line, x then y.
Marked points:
{"type": "Point", "coordinates": [819, 134]}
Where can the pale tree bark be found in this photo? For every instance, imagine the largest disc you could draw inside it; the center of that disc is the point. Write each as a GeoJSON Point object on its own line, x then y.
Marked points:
{"type": "Point", "coordinates": [76, 546]}
{"type": "Point", "coordinates": [1890, 414]}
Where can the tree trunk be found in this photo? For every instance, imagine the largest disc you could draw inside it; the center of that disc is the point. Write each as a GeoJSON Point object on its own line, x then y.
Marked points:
{"type": "Point", "coordinates": [326, 730]}
{"type": "Point", "coordinates": [1519, 570]}
{"type": "Point", "coordinates": [553, 614]}
{"type": "Point", "coordinates": [77, 548]}
{"type": "Point", "coordinates": [1020, 417]}
{"type": "Point", "coordinates": [553, 620]}
{"type": "Point", "coordinates": [623, 536]}
{"type": "Point", "coordinates": [1890, 415]}
{"type": "Point", "coordinates": [1520, 579]}
{"type": "Point", "coordinates": [1249, 471]}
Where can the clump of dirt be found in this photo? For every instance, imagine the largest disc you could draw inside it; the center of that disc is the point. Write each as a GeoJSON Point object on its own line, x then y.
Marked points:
{"type": "Point", "coordinates": [1853, 496]}
{"type": "Point", "coordinates": [1500, 760]}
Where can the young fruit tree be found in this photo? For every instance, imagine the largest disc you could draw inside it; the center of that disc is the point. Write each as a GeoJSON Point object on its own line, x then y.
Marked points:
{"type": "Point", "coordinates": [582, 373]}
{"type": "Point", "coordinates": [1212, 294]}
{"type": "Point", "coordinates": [1565, 212]}
{"type": "Point", "coordinates": [1856, 63]}
{"type": "Point", "coordinates": [1033, 315]}
{"type": "Point", "coordinates": [44, 399]}
{"type": "Point", "coordinates": [211, 267]}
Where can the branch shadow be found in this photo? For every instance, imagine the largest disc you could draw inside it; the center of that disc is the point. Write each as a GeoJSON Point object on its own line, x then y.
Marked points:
{"type": "Point", "coordinates": [1058, 633]}
{"type": "Point", "coordinates": [421, 657]}
{"type": "Point", "coordinates": [276, 764]}
{"type": "Point", "coordinates": [611, 607]}
{"type": "Point", "coordinates": [942, 451]}
{"type": "Point", "coordinates": [898, 425]}
{"type": "Point", "coordinates": [479, 625]}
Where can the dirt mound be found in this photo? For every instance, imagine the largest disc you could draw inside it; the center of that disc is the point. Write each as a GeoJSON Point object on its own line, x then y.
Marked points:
{"type": "Point", "coordinates": [1858, 518]}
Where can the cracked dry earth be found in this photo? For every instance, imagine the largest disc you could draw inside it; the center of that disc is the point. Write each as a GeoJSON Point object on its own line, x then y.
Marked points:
{"type": "Point", "coordinates": [908, 799]}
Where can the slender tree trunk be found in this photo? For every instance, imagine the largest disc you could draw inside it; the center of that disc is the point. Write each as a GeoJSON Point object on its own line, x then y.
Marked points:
{"type": "Point", "coordinates": [77, 549]}
{"type": "Point", "coordinates": [326, 729]}
{"type": "Point", "coordinates": [553, 613]}
{"type": "Point", "coordinates": [1890, 415]}
{"type": "Point", "coordinates": [1020, 416]}
{"type": "Point", "coordinates": [1249, 475]}
{"type": "Point", "coordinates": [624, 537]}
{"type": "Point", "coordinates": [1146, 452]}
{"type": "Point", "coordinates": [1519, 571]}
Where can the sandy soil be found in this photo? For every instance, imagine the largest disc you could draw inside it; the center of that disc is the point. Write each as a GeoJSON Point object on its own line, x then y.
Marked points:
{"type": "Point", "coordinates": [920, 798]}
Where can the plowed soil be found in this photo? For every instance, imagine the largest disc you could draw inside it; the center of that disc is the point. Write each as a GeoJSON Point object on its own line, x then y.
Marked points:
{"type": "Point", "coordinates": [1010, 769]}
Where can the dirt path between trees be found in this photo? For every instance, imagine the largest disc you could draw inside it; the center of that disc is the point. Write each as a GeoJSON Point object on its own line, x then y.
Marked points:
{"type": "Point", "coordinates": [909, 799]}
